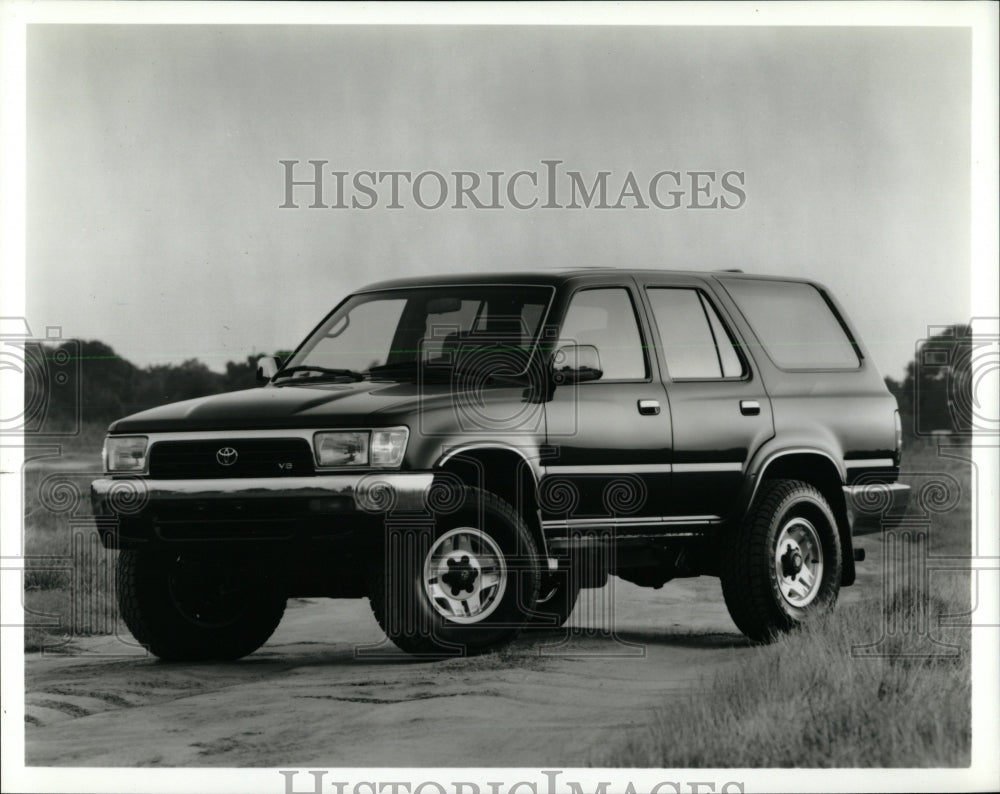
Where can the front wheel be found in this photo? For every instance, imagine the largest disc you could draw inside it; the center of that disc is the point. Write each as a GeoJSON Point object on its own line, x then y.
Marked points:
{"type": "Point", "coordinates": [782, 566]}
{"type": "Point", "coordinates": [462, 586]}
{"type": "Point", "coordinates": [194, 606]}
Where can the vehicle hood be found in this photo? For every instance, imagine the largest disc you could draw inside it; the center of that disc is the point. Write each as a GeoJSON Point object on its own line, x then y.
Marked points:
{"type": "Point", "coordinates": [277, 407]}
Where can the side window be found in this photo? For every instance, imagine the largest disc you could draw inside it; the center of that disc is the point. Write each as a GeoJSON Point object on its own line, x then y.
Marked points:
{"type": "Point", "coordinates": [606, 319]}
{"type": "Point", "coordinates": [695, 342]}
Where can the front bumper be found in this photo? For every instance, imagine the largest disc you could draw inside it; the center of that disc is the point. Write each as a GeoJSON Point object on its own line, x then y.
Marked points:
{"type": "Point", "coordinates": [135, 509]}
{"type": "Point", "coordinates": [874, 505]}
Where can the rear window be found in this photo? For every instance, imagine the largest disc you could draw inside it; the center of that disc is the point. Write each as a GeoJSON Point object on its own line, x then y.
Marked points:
{"type": "Point", "coordinates": [795, 324]}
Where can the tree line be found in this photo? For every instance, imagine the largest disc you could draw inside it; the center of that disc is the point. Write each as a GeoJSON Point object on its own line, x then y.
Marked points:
{"type": "Point", "coordinates": [935, 394]}
{"type": "Point", "coordinates": [104, 386]}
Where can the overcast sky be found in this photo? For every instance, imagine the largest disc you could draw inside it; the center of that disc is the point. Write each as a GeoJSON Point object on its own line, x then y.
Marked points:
{"type": "Point", "coordinates": [154, 181]}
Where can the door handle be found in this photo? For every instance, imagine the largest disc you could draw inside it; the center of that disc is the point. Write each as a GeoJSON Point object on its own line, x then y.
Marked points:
{"type": "Point", "coordinates": [749, 407]}
{"type": "Point", "coordinates": [649, 407]}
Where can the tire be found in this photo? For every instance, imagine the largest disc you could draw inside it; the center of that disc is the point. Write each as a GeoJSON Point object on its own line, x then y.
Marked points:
{"type": "Point", "coordinates": [782, 566]}
{"type": "Point", "coordinates": [462, 587]}
{"type": "Point", "coordinates": [557, 599]}
{"type": "Point", "coordinates": [193, 606]}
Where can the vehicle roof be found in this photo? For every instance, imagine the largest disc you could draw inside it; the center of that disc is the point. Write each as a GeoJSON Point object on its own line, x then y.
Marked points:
{"type": "Point", "coordinates": [552, 277]}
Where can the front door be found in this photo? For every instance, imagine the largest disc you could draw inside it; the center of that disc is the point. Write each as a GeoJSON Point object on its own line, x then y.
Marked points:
{"type": "Point", "coordinates": [611, 437]}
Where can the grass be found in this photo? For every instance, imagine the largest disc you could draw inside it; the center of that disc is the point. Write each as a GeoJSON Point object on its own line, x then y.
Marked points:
{"type": "Point", "coordinates": [68, 576]}
{"type": "Point", "coordinates": [79, 440]}
{"type": "Point", "coordinates": [807, 701]}
{"type": "Point", "coordinates": [942, 483]}
{"type": "Point", "coordinates": [871, 685]}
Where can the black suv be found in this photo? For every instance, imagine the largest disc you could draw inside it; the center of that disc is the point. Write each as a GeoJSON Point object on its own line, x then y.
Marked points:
{"type": "Point", "coordinates": [470, 451]}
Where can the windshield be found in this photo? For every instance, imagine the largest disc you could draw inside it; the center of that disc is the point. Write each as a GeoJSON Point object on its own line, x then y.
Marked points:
{"type": "Point", "coordinates": [396, 333]}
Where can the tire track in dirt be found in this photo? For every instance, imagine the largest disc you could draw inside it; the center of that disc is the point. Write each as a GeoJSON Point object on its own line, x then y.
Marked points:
{"type": "Point", "coordinates": [308, 698]}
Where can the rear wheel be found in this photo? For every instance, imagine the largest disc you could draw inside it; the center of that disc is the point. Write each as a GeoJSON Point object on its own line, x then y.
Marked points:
{"type": "Point", "coordinates": [190, 606]}
{"type": "Point", "coordinates": [462, 587]}
{"type": "Point", "coordinates": [782, 566]}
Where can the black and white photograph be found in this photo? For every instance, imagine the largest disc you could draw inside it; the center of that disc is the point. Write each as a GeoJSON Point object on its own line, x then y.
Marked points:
{"type": "Point", "coordinates": [494, 398]}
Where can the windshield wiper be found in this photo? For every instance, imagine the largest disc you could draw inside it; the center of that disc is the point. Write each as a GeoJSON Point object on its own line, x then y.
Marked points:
{"type": "Point", "coordinates": [319, 373]}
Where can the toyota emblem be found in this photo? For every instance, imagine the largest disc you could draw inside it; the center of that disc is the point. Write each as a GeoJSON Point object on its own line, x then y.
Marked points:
{"type": "Point", "coordinates": [226, 456]}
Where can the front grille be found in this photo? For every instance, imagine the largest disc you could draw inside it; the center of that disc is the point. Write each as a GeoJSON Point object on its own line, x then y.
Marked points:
{"type": "Point", "coordinates": [254, 457]}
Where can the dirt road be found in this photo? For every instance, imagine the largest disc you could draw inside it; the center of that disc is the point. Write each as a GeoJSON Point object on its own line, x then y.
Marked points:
{"type": "Point", "coordinates": [306, 698]}
{"type": "Point", "coordinates": [328, 691]}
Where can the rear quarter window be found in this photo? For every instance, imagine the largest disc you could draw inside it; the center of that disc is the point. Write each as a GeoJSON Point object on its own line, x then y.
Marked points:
{"type": "Point", "coordinates": [795, 324]}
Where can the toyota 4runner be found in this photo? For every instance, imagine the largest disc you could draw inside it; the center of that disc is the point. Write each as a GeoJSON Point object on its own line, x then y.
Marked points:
{"type": "Point", "coordinates": [468, 452]}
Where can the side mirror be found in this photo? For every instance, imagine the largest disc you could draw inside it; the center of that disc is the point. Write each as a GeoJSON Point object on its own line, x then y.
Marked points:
{"type": "Point", "coordinates": [267, 368]}
{"type": "Point", "coordinates": [576, 364]}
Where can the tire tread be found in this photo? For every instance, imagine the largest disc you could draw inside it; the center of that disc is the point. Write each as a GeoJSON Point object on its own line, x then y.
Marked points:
{"type": "Point", "coordinates": [745, 563]}
{"type": "Point", "coordinates": [138, 570]}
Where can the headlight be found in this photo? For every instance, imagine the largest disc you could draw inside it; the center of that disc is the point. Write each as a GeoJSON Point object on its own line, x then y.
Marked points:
{"type": "Point", "coordinates": [341, 449]}
{"type": "Point", "coordinates": [124, 453]}
{"type": "Point", "coordinates": [379, 448]}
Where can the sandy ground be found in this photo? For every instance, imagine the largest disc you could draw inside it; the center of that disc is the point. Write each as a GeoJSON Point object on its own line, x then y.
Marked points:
{"type": "Point", "coordinates": [312, 697]}
{"type": "Point", "coordinates": [328, 690]}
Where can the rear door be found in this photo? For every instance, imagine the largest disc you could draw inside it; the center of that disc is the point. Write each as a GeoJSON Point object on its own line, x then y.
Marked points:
{"type": "Point", "coordinates": [720, 412]}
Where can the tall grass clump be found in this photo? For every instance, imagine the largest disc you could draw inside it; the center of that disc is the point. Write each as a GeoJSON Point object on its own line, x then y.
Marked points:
{"type": "Point", "coordinates": [68, 576]}
{"type": "Point", "coordinates": [861, 687]}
